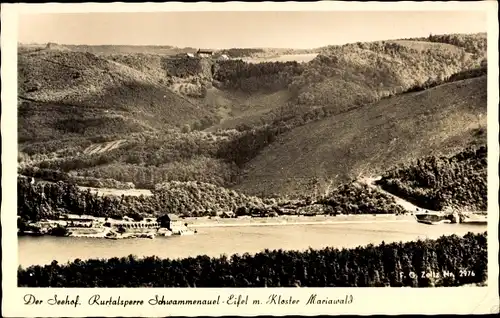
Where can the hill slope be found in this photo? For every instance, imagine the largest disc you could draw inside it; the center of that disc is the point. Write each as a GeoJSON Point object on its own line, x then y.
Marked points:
{"type": "Point", "coordinates": [134, 114]}
{"type": "Point", "coordinates": [359, 73]}
{"type": "Point", "coordinates": [64, 94]}
{"type": "Point", "coordinates": [456, 182]}
{"type": "Point", "coordinates": [371, 138]}
{"type": "Point", "coordinates": [119, 90]}
{"type": "Point", "coordinates": [348, 76]}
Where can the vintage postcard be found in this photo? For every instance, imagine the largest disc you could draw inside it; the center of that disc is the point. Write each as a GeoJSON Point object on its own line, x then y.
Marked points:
{"type": "Point", "coordinates": [249, 159]}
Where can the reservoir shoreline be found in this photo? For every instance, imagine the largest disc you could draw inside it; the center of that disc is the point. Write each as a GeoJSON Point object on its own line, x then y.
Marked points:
{"type": "Point", "coordinates": [226, 238]}
{"type": "Point", "coordinates": [206, 222]}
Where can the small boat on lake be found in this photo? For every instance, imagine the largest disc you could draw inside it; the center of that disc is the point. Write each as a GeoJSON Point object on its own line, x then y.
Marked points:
{"type": "Point", "coordinates": [432, 218]}
{"type": "Point", "coordinates": [111, 236]}
{"type": "Point", "coordinates": [184, 232]}
{"type": "Point", "coordinates": [147, 235]}
{"type": "Point", "coordinates": [474, 218]}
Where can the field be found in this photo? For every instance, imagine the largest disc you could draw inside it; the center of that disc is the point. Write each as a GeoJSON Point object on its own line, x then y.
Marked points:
{"type": "Point", "coordinates": [423, 46]}
{"type": "Point", "coordinates": [118, 192]}
{"type": "Point", "coordinates": [301, 58]}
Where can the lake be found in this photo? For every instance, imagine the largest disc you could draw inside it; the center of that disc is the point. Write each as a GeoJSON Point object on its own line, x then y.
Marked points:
{"type": "Point", "coordinates": [214, 241]}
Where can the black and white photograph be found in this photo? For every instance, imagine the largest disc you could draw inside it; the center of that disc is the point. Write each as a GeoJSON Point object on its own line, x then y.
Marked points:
{"type": "Point", "coordinates": [279, 149]}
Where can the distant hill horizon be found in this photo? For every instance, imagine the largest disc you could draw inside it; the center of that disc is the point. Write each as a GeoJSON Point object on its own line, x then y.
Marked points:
{"type": "Point", "coordinates": [168, 46]}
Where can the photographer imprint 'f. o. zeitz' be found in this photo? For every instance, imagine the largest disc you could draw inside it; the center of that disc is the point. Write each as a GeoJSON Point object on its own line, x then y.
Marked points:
{"type": "Point", "coordinates": [237, 161]}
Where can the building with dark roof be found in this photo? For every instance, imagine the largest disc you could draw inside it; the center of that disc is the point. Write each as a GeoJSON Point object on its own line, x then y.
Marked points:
{"type": "Point", "coordinates": [204, 53]}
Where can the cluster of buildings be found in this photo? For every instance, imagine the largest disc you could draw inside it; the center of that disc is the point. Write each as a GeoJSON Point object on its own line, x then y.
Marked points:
{"type": "Point", "coordinates": [87, 221]}
{"type": "Point", "coordinates": [205, 54]}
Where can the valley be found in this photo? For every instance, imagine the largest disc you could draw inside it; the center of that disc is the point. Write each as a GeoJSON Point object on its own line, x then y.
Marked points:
{"type": "Point", "coordinates": [116, 98]}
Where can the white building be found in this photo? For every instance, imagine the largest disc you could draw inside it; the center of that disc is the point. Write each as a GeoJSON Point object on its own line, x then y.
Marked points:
{"type": "Point", "coordinates": [223, 57]}
{"type": "Point", "coordinates": [204, 53]}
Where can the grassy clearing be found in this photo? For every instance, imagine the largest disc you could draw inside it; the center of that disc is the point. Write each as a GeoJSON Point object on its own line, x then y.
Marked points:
{"type": "Point", "coordinates": [301, 58]}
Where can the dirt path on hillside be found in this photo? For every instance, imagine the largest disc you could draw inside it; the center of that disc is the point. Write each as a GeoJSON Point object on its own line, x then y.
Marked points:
{"type": "Point", "coordinates": [118, 192]}
{"type": "Point", "coordinates": [103, 147]}
{"type": "Point", "coordinates": [410, 207]}
{"type": "Point", "coordinates": [479, 217]}
{"type": "Point", "coordinates": [107, 191]}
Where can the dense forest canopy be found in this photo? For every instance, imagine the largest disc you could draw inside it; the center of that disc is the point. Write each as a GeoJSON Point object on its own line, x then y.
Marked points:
{"type": "Point", "coordinates": [459, 181]}
{"type": "Point", "coordinates": [394, 264]}
{"type": "Point", "coordinates": [120, 120]}
{"type": "Point", "coordinates": [49, 200]}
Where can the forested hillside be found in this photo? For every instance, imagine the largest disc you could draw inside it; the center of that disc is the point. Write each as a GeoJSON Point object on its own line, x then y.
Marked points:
{"type": "Point", "coordinates": [145, 160]}
{"type": "Point", "coordinates": [121, 117]}
{"type": "Point", "coordinates": [356, 74]}
{"type": "Point", "coordinates": [66, 94]}
{"type": "Point", "coordinates": [370, 139]}
{"type": "Point", "coordinates": [251, 78]}
{"type": "Point", "coordinates": [192, 199]}
{"type": "Point", "coordinates": [436, 183]}
{"type": "Point", "coordinates": [472, 43]}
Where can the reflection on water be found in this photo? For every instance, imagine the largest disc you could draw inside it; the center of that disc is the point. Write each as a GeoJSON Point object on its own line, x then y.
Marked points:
{"type": "Point", "coordinates": [230, 240]}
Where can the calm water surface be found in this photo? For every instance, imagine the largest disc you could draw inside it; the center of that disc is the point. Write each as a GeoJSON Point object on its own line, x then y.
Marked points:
{"type": "Point", "coordinates": [231, 240]}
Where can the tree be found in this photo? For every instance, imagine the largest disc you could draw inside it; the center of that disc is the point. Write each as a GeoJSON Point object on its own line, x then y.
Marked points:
{"type": "Point", "coordinates": [241, 211]}
{"type": "Point", "coordinates": [121, 229]}
{"type": "Point", "coordinates": [186, 128]}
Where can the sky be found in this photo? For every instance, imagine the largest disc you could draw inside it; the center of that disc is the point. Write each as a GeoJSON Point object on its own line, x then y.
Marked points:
{"type": "Point", "coordinates": [292, 29]}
